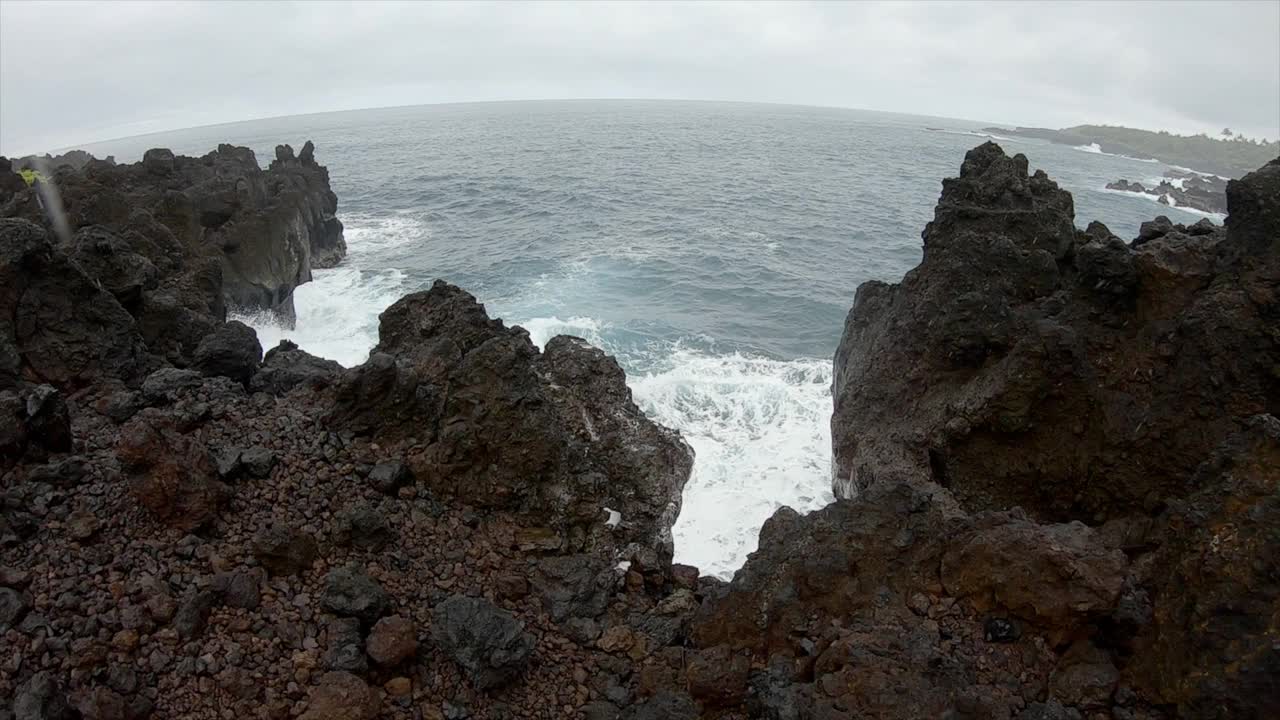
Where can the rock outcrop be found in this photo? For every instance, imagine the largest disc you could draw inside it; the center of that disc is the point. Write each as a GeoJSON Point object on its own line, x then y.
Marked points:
{"type": "Point", "coordinates": [1026, 363]}
{"type": "Point", "coordinates": [1206, 193]}
{"type": "Point", "coordinates": [483, 417]}
{"type": "Point", "coordinates": [177, 239]}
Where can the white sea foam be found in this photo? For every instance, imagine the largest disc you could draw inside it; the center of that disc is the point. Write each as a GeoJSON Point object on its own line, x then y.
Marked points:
{"type": "Point", "coordinates": [543, 329]}
{"type": "Point", "coordinates": [1216, 217]}
{"type": "Point", "coordinates": [1096, 149]}
{"type": "Point", "coordinates": [762, 440]}
{"type": "Point", "coordinates": [337, 313]}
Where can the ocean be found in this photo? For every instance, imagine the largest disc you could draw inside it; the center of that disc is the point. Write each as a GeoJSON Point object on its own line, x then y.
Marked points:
{"type": "Point", "coordinates": [713, 248]}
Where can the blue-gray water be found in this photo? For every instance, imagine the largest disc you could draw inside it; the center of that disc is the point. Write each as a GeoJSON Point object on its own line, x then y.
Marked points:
{"type": "Point", "coordinates": [714, 248]}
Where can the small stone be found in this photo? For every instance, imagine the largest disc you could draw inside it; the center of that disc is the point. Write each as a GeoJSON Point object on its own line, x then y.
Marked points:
{"type": "Point", "coordinates": [82, 524]}
{"type": "Point", "coordinates": [485, 640]}
{"type": "Point", "coordinates": [258, 461]}
{"type": "Point", "coordinates": [284, 550]}
{"type": "Point", "coordinates": [388, 477]}
{"type": "Point", "coordinates": [342, 696]}
{"type": "Point", "coordinates": [125, 641]}
{"type": "Point", "coordinates": [398, 686]}
{"type": "Point", "coordinates": [618, 638]}
{"type": "Point", "coordinates": [1000, 630]}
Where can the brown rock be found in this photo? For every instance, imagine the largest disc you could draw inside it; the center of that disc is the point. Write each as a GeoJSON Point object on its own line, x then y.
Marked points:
{"type": "Point", "coordinates": [398, 686]}
{"type": "Point", "coordinates": [82, 524]}
{"type": "Point", "coordinates": [392, 641]}
{"type": "Point", "coordinates": [342, 696]}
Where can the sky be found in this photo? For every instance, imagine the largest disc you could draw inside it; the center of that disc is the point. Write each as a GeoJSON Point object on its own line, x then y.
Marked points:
{"type": "Point", "coordinates": [77, 72]}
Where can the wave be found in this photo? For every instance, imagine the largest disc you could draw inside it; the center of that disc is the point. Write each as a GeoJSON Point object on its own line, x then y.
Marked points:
{"type": "Point", "coordinates": [337, 313]}
{"type": "Point", "coordinates": [760, 431]}
{"type": "Point", "coordinates": [1096, 149]}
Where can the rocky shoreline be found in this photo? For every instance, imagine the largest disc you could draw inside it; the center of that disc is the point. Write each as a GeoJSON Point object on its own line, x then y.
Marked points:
{"type": "Point", "coordinates": [1203, 193]}
{"type": "Point", "coordinates": [1056, 452]}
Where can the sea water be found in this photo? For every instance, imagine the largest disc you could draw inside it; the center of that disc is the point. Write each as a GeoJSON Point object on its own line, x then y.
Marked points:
{"type": "Point", "coordinates": [713, 248]}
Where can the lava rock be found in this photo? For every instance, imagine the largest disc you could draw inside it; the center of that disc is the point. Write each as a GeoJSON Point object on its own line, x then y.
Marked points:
{"type": "Point", "coordinates": [487, 642]}
{"type": "Point", "coordinates": [284, 550]}
{"type": "Point", "coordinates": [230, 351]}
{"type": "Point", "coordinates": [350, 592]}
{"type": "Point", "coordinates": [342, 696]}
{"type": "Point", "coordinates": [392, 641]}
{"type": "Point", "coordinates": [389, 477]}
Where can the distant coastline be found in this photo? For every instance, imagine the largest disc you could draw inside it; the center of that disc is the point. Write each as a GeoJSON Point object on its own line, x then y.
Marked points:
{"type": "Point", "coordinates": [1228, 158]}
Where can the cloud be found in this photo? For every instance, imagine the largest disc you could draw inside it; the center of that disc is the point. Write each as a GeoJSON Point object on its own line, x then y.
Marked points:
{"type": "Point", "coordinates": [77, 72]}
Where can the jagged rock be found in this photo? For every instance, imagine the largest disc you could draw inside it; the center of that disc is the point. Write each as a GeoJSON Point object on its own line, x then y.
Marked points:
{"type": "Point", "coordinates": [239, 588]}
{"type": "Point", "coordinates": [284, 550]}
{"type": "Point", "coordinates": [171, 474]}
{"type": "Point", "coordinates": [1005, 369]}
{"type": "Point", "coordinates": [342, 696]}
{"type": "Point", "coordinates": [392, 641]}
{"type": "Point", "coordinates": [554, 435]}
{"type": "Point", "coordinates": [487, 642]}
{"type": "Point", "coordinates": [114, 265]}
{"type": "Point", "coordinates": [363, 526]}
{"type": "Point", "coordinates": [663, 706]}
{"type": "Point", "coordinates": [258, 461]}
{"type": "Point", "coordinates": [285, 367]}
{"type": "Point", "coordinates": [192, 616]}
{"type": "Point", "coordinates": [167, 384]}
{"type": "Point", "coordinates": [231, 351]}
{"type": "Point", "coordinates": [350, 592]}
{"type": "Point", "coordinates": [345, 650]}
{"type": "Point", "coordinates": [62, 328]}
{"type": "Point", "coordinates": [1051, 710]}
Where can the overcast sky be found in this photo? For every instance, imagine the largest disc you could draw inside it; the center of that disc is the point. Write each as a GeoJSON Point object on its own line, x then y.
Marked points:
{"type": "Point", "coordinates": [73, 73]}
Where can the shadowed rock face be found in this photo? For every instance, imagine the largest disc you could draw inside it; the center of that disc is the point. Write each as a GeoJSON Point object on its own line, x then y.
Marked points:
{"type": "Point", "coordinates": [1028, 363]}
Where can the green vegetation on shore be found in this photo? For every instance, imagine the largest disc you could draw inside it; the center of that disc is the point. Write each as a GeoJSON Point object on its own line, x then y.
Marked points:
{"type": "Point", "coordinates": [1230, 158]}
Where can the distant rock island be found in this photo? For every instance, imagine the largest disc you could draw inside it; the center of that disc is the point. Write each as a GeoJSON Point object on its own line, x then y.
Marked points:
{"type": "Point", "coordinates": [1232, 158]}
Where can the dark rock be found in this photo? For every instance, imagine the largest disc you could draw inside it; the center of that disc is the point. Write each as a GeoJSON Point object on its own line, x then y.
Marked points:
{"type": "Point", "coordinates": [193, 614]}
{"type": "Point", "coordinates": [258, 461]}
{"type": "Point", "coordinates": [284, 550]}
{"type": "Point", "coordinates": [392, 641]}
{"type": "Point", "coordinates": [364, 527]}
{"type": "Point", "coordinates": [345, 649]}
{"type": "Point", "coordinates": [1000, 630]}
{"type": "Point", "coordinates": [114, 265]}
{"type": "Point", "coordinates": [120, 406]}
{"type": "Point", "coordinates": [389, 477]}
{"type": "Point", "coordinates": [41, 697]}
{"type": "Point", "coordinates": [285, 367]}
{"type": "Point", "coordinates": [1152, 229]}
{"type": "Point", "coordinates": [487, 642]}
{"type": "Point", "coordinates": [41, 288]}
{"type": "Point", "coordinates": [48, 419]}
{"type": "Point", "coordinates": [14, 604]}
{"type": "Point", "coordinates": [230, 351]}
{"type": "Point", "coordinates": [227, 462]}
{"type": "Point", "coordinates": [349, 592]}
{"type": "Point", "coordinates": [166, 385]}
{"type": "Point", "coordinates": [239, 588]}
